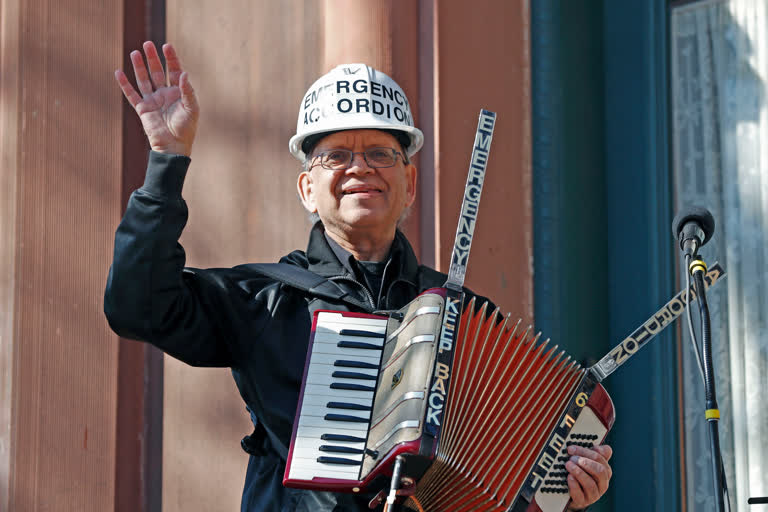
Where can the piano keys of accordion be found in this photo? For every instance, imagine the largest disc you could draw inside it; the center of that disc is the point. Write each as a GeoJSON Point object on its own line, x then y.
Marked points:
{"type": "Point", "coordinates": [335, 401]}
{"type": "Point", "coordinates": [394, 402]}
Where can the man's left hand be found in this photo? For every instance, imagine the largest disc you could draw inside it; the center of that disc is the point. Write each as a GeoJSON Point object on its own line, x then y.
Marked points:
{"type": "Point", "coordinates": [589, 474]}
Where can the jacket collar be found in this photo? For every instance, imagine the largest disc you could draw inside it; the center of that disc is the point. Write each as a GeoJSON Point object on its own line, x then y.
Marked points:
{"type": "Point", "coordinates": [345, 257]}
{"type": "Point", "coordinates": [323, 261]}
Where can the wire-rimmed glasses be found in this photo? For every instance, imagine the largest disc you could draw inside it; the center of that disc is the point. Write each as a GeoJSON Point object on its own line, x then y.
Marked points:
{"type": "Point", "coordinates": [337, 159]}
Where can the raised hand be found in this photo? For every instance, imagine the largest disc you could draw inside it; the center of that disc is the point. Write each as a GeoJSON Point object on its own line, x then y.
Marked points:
{"type": "Point", "coordinates": [168, 110]}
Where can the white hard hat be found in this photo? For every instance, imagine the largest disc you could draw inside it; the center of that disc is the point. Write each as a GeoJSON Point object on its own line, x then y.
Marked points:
{"type": "Point", "coordinates": [350, 97]}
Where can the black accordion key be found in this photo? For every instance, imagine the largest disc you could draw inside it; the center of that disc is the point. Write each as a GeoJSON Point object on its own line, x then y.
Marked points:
{"type": "Point", "coordinates": [345, 417]}
{"type": "Point", "coordinates": [352, 387]}
{"type": "Point", "coordinates": [340, 449]}
{"type": "Point", "coordinates": [361, 334]}
{"type": "Point", "coordinates": [355, 364]}
{"type": "Point", "coordinates": [358, 344]}
{"type": "Point", "coordinates": [345, 405]}
{"type": "Point", "coordinates": [342, 438]}
{"type": "Point", "coordinates": [353, 375]}
{"type": "Point", "coordinates": [338, 460]}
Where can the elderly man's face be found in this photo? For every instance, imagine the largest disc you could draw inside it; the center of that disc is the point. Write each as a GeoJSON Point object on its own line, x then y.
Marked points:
{"type": "Point", "coordinates": [358, 197]}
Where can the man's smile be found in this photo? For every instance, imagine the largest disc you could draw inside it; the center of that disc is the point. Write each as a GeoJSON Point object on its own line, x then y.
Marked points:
{"type": "Point", "coordinates": [360, 190]}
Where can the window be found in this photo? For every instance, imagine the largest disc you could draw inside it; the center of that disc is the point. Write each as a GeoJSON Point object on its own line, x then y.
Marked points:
{"type": "Point", "coordinates": [719, 78]}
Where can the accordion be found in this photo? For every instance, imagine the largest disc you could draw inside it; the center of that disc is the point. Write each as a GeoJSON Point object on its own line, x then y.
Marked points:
{"type": "Point", "coordinates": [377, 387]}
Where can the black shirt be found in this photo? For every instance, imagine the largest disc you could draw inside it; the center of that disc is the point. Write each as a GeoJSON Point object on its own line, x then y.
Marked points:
{"type": "Point", "coordinates": [370, 273]}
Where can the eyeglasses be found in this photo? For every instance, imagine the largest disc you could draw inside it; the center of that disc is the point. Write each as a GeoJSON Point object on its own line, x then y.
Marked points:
{"type": "Point", "coordinates": [337, 159]}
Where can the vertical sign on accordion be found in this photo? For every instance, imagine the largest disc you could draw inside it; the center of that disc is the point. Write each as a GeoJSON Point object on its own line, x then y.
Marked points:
{"type": "Point", "coordinates": [471, 202]}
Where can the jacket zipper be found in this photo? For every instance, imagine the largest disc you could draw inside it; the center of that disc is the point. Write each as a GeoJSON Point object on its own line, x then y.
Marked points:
{"type": "Point", "coordinates": [367, 293]}
{"type": "Point", "coordinates": [383, 282]}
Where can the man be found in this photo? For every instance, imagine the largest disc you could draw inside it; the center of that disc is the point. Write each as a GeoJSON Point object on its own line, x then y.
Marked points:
{"type": "Point", "coordinates": [355, 136]}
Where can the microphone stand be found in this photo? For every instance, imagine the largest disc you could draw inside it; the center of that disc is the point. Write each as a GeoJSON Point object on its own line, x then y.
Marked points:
{"type": "Point", "coordinates": [698, 269]}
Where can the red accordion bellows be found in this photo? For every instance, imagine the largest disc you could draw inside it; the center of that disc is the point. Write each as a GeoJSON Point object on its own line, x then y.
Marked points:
{"type": "Point", "coordinates": [507, 394]}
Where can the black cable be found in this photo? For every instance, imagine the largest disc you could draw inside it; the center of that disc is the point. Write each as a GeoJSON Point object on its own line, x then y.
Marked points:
{"type": "Point", "coordinates": [689, 315]}
{"type": "Point", "coordinates": [718, 473]}
{"type": "Point", "coordinates": [707, 379]}
{"type": "Point", "coordinates": [725, 486]}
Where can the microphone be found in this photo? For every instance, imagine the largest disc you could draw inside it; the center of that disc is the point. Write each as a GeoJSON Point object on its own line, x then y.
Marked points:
{"type": "Point", "coordinates": [693, 227]}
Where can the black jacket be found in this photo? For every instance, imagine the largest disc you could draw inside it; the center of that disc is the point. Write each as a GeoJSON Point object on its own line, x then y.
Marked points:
{"type": "Point", "coordinates": [236, 317]}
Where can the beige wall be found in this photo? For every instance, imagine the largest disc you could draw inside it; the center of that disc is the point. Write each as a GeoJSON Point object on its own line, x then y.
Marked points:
{"type": "Point", "coordinates": [482, 61]}
{"type": "Point", "coordinates": [9, 92]}
{"type": "Point", "coordinates": [60, 152]}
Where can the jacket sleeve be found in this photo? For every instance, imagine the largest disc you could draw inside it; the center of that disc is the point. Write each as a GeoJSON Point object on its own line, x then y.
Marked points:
{"type": "Point", "coordinates": [149, 295]}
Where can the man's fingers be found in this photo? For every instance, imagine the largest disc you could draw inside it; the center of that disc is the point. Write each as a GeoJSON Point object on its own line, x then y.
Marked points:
{"type": "Point", "coordinates": [598, 472]}
{"type": "Point", "coordinates": [156, 72]}
{"type": "Point", "coordinates": [172, 63]}
{"type": "Point", "coordinates": [589, 468]}
{"type": "Point", "coordinates": [128, 91]}
{"type": "Point", "coordinates": [604, 450]}
{"type": "Point", "coordinates": [594, 462]}
{"type": "Point", "coordinates": [596, 453]}
{"type": "Point", "coordinates": [577, 495]}
{"type": "Point", "coordinates": [586, 481]}
{"type": "Point", "coordinates": [142, 77]}
{"type": "Point", "coordinates": [188, 98]}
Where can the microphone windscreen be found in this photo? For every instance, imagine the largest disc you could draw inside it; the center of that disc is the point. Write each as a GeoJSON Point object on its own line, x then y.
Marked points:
{"type": "Point", "coordinates": [697, 214]}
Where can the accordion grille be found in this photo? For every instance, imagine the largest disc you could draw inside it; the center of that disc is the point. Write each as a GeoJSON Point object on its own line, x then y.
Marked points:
{"type": "Point", "coordinates": [508, 390]}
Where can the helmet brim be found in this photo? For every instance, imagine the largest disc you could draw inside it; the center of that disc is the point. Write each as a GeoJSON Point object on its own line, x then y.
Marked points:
{"type": "Point", "coordinates": [415, 136]}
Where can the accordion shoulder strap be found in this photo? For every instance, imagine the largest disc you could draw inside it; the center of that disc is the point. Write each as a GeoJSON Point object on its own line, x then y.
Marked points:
{"type": "Point", "coordinates": [307, 281]}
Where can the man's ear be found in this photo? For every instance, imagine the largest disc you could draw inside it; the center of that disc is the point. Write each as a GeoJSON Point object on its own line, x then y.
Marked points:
{"type": "Point", "coordinates": [304, 187]}
{"type": "Point", "coordinates": [411, 176]}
